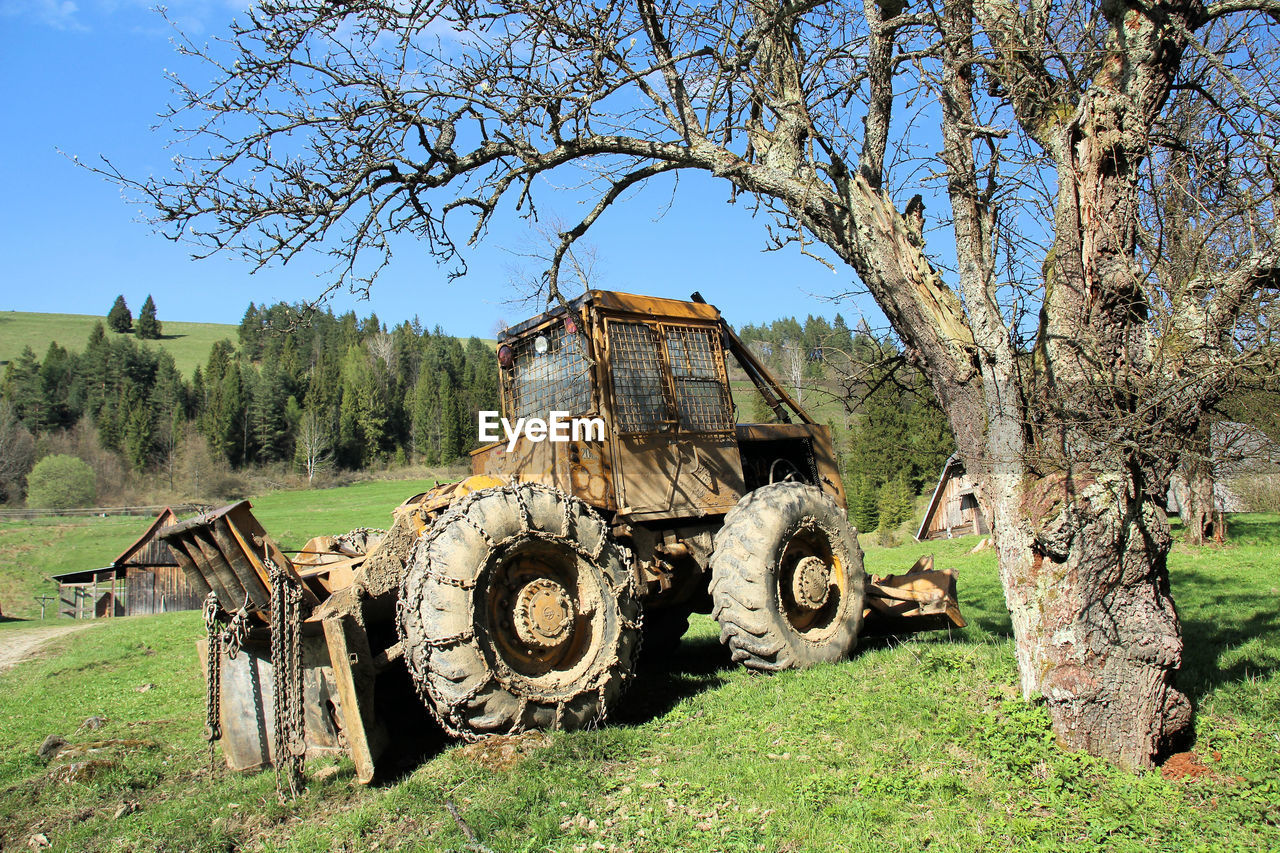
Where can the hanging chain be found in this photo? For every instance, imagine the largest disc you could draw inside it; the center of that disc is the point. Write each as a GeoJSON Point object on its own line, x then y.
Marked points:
{"type": "Point", "coordinates": [237, 630]}
{"type": "Point", "coordinates": [213, 676]}
{"type": "Point", "coordinates": [286, 671]}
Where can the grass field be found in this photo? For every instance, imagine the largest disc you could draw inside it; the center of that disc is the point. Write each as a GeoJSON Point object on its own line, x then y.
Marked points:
{"type": "Point", "coordinates": [911, 745]}
{"type": "Point", "coordinates": [188, 343]}
{"type": "Point", "coordinates": [31, 551]}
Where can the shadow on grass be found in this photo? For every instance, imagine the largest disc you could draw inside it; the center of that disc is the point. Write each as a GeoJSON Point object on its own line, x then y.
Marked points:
{"type": "Point", "coordinates": [1253, 529]}
{"type": "Point", "coordinates": [1215, 622]}
{"type": "Point", "coordinates": [696, 665]}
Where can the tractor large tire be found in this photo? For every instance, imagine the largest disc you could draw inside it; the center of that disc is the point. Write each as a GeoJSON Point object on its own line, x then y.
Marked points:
{"type": "Point", "coordinates": [787, 581]}
{"type": "Point", "coordinates": [518, 611]}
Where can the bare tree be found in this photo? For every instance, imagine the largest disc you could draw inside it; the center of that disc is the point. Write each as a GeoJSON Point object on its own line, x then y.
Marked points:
{"type": "Point", "coordinates": [382, 348]}
{"type": "Point", "coordinates": [1048, 346]}
{"type": "Point", "coordinates": [529, 277]}
{"type": "Point", "coordinates": [17, 453]}
{"type": "Point", "coordinates": [793, 359]}
{"type": "Point", "coordinates": [315, 441]}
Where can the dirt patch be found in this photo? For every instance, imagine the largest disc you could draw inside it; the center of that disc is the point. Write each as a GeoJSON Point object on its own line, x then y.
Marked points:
{"type": "Point", "coordinates": [501, 752]}
{"type": "Point", "coordinates": [1187, 765]}
{"type": "Point", "coordinates": [17, 645]}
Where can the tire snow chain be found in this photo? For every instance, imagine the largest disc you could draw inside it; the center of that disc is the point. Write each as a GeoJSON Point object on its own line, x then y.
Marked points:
{"type": "Point", "coordinates": [289, 740]}
{"type": "Point", "coordinates": [458, 512]}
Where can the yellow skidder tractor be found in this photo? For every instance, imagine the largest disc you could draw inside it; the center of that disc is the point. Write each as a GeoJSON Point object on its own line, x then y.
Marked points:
{"type": "Point", "coordinates": [625, 498]}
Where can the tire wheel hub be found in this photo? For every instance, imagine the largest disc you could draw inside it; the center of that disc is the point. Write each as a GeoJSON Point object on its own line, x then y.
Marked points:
{"type": "Point", "coordinates": [543, 614]}
{"type": "Point", "coordinates": [811, 583]}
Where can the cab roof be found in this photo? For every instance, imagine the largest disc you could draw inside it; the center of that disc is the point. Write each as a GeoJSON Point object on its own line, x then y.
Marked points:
{"type": "Point", "coordinates": [613, 301]}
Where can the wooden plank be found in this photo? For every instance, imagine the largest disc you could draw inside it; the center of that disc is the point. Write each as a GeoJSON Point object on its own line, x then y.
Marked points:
{"type": "Point", "coordinates": [353, 675]}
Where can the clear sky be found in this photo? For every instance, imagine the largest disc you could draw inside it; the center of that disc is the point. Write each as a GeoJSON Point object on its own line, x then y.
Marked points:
{"type": "Point", "coordinates": [86, 77]}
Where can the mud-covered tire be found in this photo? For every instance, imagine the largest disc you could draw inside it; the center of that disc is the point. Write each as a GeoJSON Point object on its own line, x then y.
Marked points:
{"type": "Point", "coordinates": [754, 563]}
{"type": "Point", "coordinates": [468, 575]}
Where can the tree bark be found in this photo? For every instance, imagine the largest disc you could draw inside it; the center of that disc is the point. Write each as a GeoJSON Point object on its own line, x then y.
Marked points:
{"type": "Point", "coordinates": [1198, 514]}
{"type": "Point", "coordinates": [1097, 631]}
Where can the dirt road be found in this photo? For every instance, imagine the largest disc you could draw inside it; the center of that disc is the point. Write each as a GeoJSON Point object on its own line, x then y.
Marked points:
{"type": "Point", "coordinates": [18, 644]}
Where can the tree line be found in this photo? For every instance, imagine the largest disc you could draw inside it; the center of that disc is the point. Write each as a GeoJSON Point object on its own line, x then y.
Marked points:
{"type": "Point", "coordinates": [331, 391]}
{"type": "Point", "coordinates": [348, 393]}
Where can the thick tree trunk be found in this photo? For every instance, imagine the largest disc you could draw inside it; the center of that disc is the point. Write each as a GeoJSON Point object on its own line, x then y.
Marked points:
{"type": "Point", "coordinates": [1198, 514]}
{"type": "Point", "coordinates": [1095, 627]}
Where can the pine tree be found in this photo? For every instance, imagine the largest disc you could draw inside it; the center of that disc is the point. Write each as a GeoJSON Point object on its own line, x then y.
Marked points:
{"type": "Point", "coordinates": [139, 433]}
{"type": "Point", "coordinates": [269, 424]}
{"type": "Point", "coordinates": [119, 318]}
{"type": "Point", "coordinates": [148, 325]}
{"type": "Point", "coordinates": [56, 373]}
{"type": "Point", "coordinates": [862, 504]}
{"type": "Point", "coordinates": [895, 501]}
{"type": "Point", "coordinates": [451, 445]}
{"type": "Point", "coordinates": [424, 413]}
{"type": "Point", "coordinates": [22, 387]}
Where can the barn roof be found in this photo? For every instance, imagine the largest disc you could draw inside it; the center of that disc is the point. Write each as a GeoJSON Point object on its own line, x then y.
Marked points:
{"type": "Point", "coordinates": [953, 462]}
{"type": "Point", "coordinates": [148, 550]}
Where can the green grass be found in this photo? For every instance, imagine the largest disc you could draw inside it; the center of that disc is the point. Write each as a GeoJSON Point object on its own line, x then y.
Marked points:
{"type": "Point", "coordinates": [188, 343]}
{"type": "Point", "coordinates": [31, 551]}
{"type": "Point", "coordinates": [911, 745]}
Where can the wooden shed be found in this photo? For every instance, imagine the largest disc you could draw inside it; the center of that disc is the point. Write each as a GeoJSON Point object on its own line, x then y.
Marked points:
{"type": "Point", "coordinates": [144, 579]}
{"type": "Point", "coordinates": [954, 509]}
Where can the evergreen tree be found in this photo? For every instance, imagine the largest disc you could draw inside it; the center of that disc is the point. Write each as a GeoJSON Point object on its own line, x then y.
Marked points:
{"type": "Point", "coordinates": [424, 414]}
{"type": "Point", "coordinates": [250, 333]}
{"type": "Point", "coordinates": [23, 389]}
{"type": "Point", "coordinates": [56, 377]}
{"type": "Point", "coordinates": [224, 418]}
{"type": "Point", "coordinates": [148, 325]}
{"type": "Point", "coordinates": [862, 503]}
{"type": "Point", "coordinates": [268, 414]}
{"type": "Point", "coordinates": [841, 337]}
{"type": "Point", "coordinates": [451, 441]}
{"type": "Point", "coordinates": [139, 434]}
{"type": "Point", "coordinates": [895, 501]}
{"type": "Point", "coordinates": [759, 411]}
{"type": "Point", "coordinates": [119, 318]}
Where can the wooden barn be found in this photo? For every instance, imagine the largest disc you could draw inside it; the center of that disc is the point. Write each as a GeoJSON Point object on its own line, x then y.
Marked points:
{"type": "Point", "coordinates": [954, 509]}
{"type": "Point", "coordinates": [145, 579]}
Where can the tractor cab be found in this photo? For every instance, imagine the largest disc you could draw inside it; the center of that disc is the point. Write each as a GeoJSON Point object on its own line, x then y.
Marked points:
{"type": "Point", "coordinates": [650, 378]}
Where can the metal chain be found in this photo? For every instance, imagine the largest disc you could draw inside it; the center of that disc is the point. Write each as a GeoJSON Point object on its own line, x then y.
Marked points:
{"type": "Point", "coordinates": [213, 677]}
{"type": "Point", "coordinates": [411, 600]}
{"type": "Point", "coordinates": [237, 630]}
{"type": "Point", "coordinates": [286, 670]}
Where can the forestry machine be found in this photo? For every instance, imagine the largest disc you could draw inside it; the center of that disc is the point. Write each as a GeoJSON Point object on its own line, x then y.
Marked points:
{"type": "Point", "coordinates": [519, 597]}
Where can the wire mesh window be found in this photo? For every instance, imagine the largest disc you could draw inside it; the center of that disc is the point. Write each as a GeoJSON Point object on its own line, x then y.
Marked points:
{"type": "Point", "coordinates": [558, 379]}
{"type": "Point", "coordinates": [702, 395]}
{"type": "Point", "coordinates": [639, 400]}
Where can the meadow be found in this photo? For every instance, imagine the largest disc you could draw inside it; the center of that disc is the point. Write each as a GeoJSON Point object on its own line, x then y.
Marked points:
{"type": "Point", "coordinates": [912, 744]}
{"type": "Point", "coordinates": [188, 343]}
{"type": "Point", "coordinates": [31, 551]}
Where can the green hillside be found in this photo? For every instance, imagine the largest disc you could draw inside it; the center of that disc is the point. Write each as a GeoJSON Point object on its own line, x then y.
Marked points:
{"type": "Point", "coordinates": [31, 551]}
{"type": "Point", "coordinates": [189, 343]}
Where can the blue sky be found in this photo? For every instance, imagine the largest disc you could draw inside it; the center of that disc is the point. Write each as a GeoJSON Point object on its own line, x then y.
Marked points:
{"type": "Point", "coordinates": [86, 77]}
